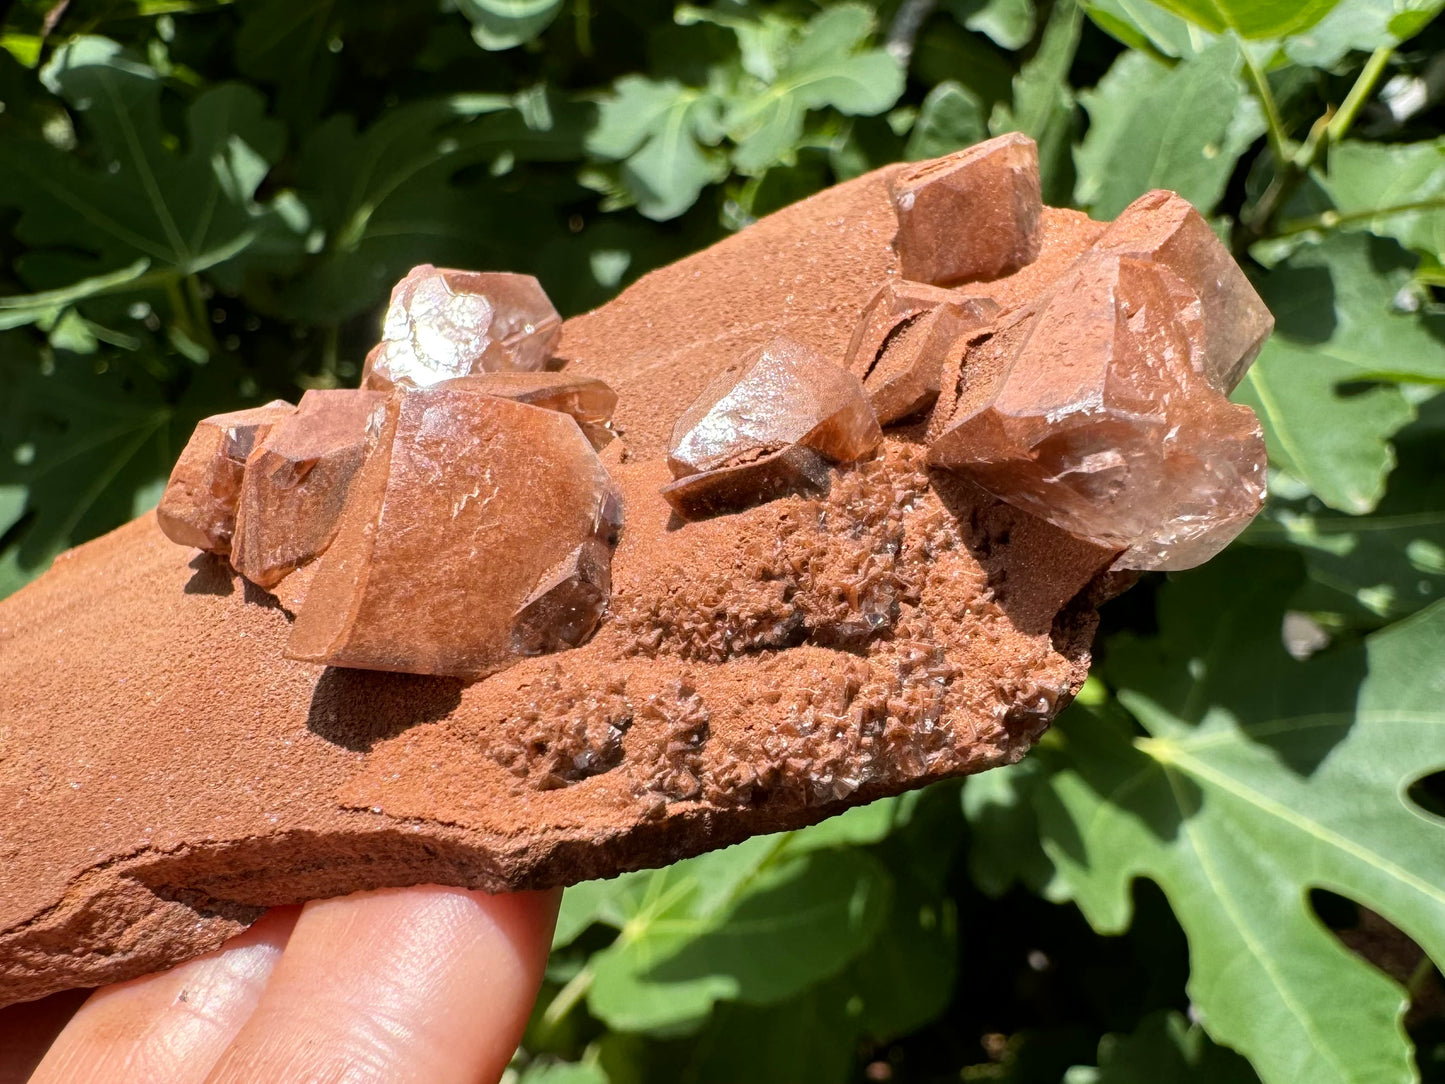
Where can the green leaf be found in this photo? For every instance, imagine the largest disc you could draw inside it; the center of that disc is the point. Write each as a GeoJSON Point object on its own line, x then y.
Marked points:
{"type": "Point", "coordinates": [1252, 18]}
{"type": "Point", "coordinates": [1257, 779]}
{"type": "Point", "coordinates": [951, 118]}
{"type": "Point", "coordinates": [1164, 1047]}
{"type": "Point", "coordinates": [81, 452]}
{"type": "Point", "coordinates": [505, 24]}
{"type": "Point", "coordinates": [1362, 26]}
{"type": "Point", "coordinates": [379, 200]}
{"type": "Point", "coordinates": [856, 827]}
{"type": "Point", "coordinates": [1043, 103]}
{"type": "Point", "coordinates": [663, 133]}
{"type": "Point", "coordinates": [1325, 419]}
{"type": "Point", "coordinates": [563, 1072]}
{"type": "Point", "coordinates": [1143, 24]}
{"type": "Point", "coordinates": [825, 67]}
{"type": "Point", "coordinates": [46, 307]}
{"type": "Point", "coordinates": [755, 925]}
{"type": "Point", "coordinates": [182, 212]}
{"type": "Point", "coordinates": [1004, 843]}
{"type": "Point", "coordinates": [1365, 571]}
{"type": "Point", "coordinates": [1008, 22]}
{"type": "Point", "coordinates": [1154, 126]}
{"type": "Point", "coordinates": [1366, 179]}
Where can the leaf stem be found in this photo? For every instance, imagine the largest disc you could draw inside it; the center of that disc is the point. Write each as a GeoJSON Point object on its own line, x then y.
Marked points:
{"type": "Point", "coordinates": [198, 314]}
{"type": "Point", "coordinates": [567, 998]}
{"type": "Point", "coordinates": [1330, 220]}
{"type": "Point", "coordinates": [1274, 124]}
{"type": "Point", "coordinates": [1257, 222]}
{"type": "Point", "coordinates": [582, 18]}
{"type": "Point", "coordinates": [1360, 93]}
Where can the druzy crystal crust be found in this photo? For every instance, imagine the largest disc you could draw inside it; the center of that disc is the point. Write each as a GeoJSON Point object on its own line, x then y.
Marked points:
{"type": "Point", "coordinates": [198, 507]}
{"type": "Point", "coordinates": [443, 323]}
{"type": "Point", "coordinates": [971, 216]}
{"type": "Point", "coordinates": [772, 421]}
{"type": "Point", "coordinates": [296, 482]}
{"type": "Point", "coordinates": [1102, 420]}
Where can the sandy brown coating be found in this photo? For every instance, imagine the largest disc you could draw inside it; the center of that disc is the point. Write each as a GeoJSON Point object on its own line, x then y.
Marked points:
{"type": "Point", "coordinates": [165, 773]}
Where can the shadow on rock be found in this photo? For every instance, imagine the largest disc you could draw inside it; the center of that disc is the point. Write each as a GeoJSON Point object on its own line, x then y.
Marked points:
{"type": "Point", "coordinates": [355, 709]}
{"type": "Point", "coordinates": [211, 576]}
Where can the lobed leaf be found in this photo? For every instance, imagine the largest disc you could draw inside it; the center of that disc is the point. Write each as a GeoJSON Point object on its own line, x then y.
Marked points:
{"type": "Point", "coordinates": [1323, 385]}
{"type": "Point", "coordinates": [1260, 778]}
{"type": "Point", "coordinates": [1392, 190]}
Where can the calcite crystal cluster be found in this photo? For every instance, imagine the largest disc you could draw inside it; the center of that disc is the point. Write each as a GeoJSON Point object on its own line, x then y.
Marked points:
{"type": "Point", "coordinates": [880, 453]}
{"type": "Point", "coordinates": [463, 515]}
{"type": "Point", "coordinates": [1099, 405]}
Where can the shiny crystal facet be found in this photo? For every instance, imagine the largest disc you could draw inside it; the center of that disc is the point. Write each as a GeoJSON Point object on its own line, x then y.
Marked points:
{"type": "Point", "coordinates": [443, 324]}
{"type": "Point", "coordinates": [586, 398]}
{"type": "Point", "coordinates": [297, 479]}
{"type": "Point", "coordinates": [1102, 422]}
{"type": "Point", "coordinates": [971, 216]}
{"type": "Point", "coordinates": [772, 420]}
{"type": "Point", "coordinates": [902, 339]}
{"type": "Point", "coordinates": [199, 505]}
{"type": "Point", "coordinates": [466, 504]}
{"type": "Point", "coordinates": [567, 603]}
{"type": "Point", "coordinates": [1162, 227]}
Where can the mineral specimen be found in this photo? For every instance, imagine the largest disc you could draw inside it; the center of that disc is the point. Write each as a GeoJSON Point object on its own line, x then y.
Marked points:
{"type": "Point", "coordinates": [1162, 227]}
{"type": "Point", "coordinates": [567, 602]}
{"type": "Point", "coordinates": [468, 503]}
{"type": "Point", "coordinates": [586, 398]}
{"type": "Point", "coordinates": [1102, 421]}
{"type": "Point", "coordinates": [444, 323]}
{"type": "Point", "coordinates": [297, 479]}
{"type": "Point", "coordinates": [971, 216]}
{"type": "Point", "coordinates": [768, 423]}
{"type": "Point", "coordinates": [198, 507]}
{"type": "Point", "coordinates": [167, 773]}
{"type": "Point", "coordinates": [902, 339]}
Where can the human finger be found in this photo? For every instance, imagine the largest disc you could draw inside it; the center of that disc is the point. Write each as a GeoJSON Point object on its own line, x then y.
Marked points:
{"type": "Point", "coordinates": [170, 1028]}
{"type": "Point", "coordinates": [425, 984]}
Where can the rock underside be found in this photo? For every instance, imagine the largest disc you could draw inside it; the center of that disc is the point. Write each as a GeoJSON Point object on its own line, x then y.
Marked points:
{"type": "Point", "coordinates": [793, 620]}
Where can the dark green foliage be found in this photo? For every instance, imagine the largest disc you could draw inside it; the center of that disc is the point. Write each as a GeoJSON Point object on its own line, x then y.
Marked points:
{"type": "Point", "coordinates": [203, 206]}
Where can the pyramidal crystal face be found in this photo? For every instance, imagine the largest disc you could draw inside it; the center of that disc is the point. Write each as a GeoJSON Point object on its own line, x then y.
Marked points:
{"type": "Point", "coordinates": [198, 507]}
{"type": "Point", "coordinates": [296, 482]}
{"type": "Point", "coordinates": [1103, 420]}
{"type": "Point", "coordinates": [971, 216]}
{"type": "Point", "coordinates": [1163, 228]}
{"type": "Point", "coordinates": [589, 400]}
{"type": "Point", "coordinates": [464, 518]}
{"type": "Point", "coordinates": [771, 422]}
{"type": "Point", "coordinates": [442, 324]}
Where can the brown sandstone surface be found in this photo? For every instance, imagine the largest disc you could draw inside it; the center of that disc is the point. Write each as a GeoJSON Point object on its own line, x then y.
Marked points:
{"type": "Point", "coordinates": [166, 773]}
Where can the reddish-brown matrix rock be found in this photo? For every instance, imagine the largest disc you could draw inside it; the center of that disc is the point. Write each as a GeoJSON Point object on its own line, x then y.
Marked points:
{"type": "Point", "coordinates": [167, 771]}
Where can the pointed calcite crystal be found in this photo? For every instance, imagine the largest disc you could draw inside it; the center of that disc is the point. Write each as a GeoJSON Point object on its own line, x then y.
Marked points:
{"type": "Point", "coordinates": [468, 504]}
{"type": "Point", "coordinates": [900, 344]}
{"type": "Point", "coordinates": [971, 216]}
{"type": "Point", "coordinates": [567, 602]}
{"type": "Point", "coordinates": [198, 507]}
{"type": "Point", "coordinates": [586, 398]}
{"type": "Point", "coordinates": [443, 323]}
{"type": "Point", "coordinates": [1102, 422]}
{"type": "Point", "coordinates": [771, 422]}
{"type": "Point", "coordinates": [297, 480]}
{"type": "Point", "coordinates": [1162, 227]}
